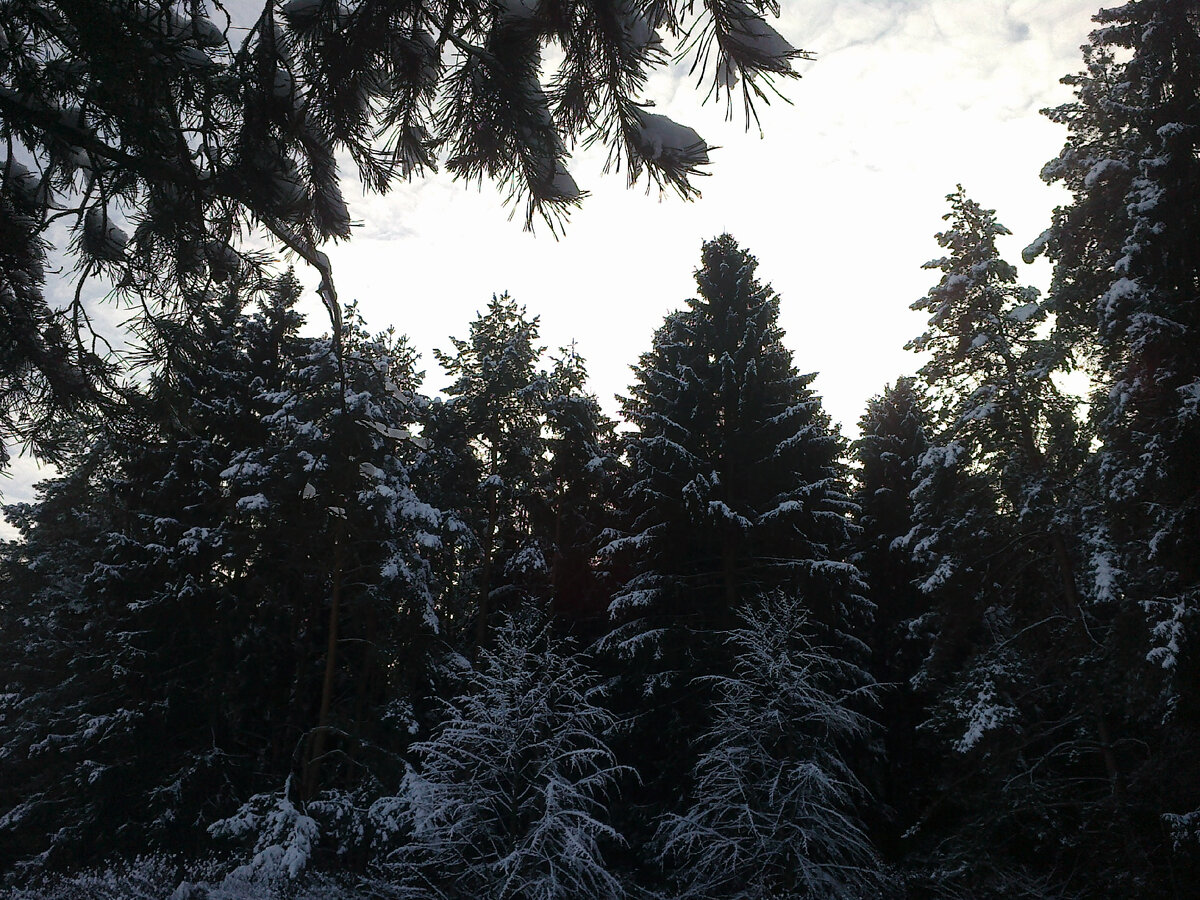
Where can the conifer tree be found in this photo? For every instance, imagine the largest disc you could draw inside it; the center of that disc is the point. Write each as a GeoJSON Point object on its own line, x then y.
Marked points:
{"type": "Point", "coordinates": [772, 808]}
{"type": "Point", "coordinates": [196, 637]}
{"type": "Point", "coordinates": [497, 396]}
{"type": "Point", "coordinates": [895, 433]}
{"type": "Point", "coordinates": [1126, 281]}
{"type": "Point", "coordinates": [736, 485]}
{"type": "Point", "coordinates": [1017, 664]}
{"type": "Point", "coordinates": [510, 795]}
{"type": "Point", "coordinates": [111, 663]}
{"type": "Point", "coordinates": [45, 627]}
{"type": "Point", "coordinates": [735, 488]}
{"type": "Point", "coordinates": [989, 376]}
{"type": "Point", "coordinates": [577, 483]}
{"type": "Point", "coordinates": [1140, 307]}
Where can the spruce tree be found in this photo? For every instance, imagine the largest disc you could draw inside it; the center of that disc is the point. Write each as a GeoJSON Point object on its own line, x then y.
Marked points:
{"type": "Point", "coordinates": [736, 484]}
{"type": "Point", "coordinates": [735, 488]}
{"type": "Point", "coordinates": [895, 431]}
{"type": "Point", "coordinates": [497, 397]}
{"type": "Point", "coordinates": [1126, 280]}
{"type": "Point", "coordinates": [238, 592]}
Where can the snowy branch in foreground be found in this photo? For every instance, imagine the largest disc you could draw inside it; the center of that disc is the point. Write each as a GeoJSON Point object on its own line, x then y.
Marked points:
{"type": "Point", "coordinates": [511, 794]}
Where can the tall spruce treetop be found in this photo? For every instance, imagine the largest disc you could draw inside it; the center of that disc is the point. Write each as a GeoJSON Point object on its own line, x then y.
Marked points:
{"type": "Point", "coordinates": [736, 485]}
{"type": "Point", "coordinates": [989, 368]}
{"type": "Point", "coordinates": [895, 431]}
{"type": "Point", "coordinates": [161, 132]}
{"type": "Point", "coordinates": [895, 435]}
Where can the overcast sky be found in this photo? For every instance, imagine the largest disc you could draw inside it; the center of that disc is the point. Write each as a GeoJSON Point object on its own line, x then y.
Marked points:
{"type": "Point", "coordinates": [839, 200]}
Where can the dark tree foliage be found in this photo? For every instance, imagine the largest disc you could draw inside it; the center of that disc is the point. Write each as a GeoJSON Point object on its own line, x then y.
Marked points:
{"type": "Point", "coordinates": [895, 431]}
{"type": "Point", "coordinates": [736, 482]}
{"type": "Point", "coordinates": [578, 482]}
{"type": "Point", "coordinates": [735, 487]}
{"type": "Point", "coordinates": [238, 613]}
{"type": "Point", "coordinates": [497, 397]}
{"type": "Point", "coordinates": [1126, 251]}
{"type": "Point", "coordinates": [160, 134]}
{"type": "Point", "coordinates": [219, 600]}
{"type": "Point", "coordinates": [536, 470]}
{"type": "Point", "coordinates": [1143, 310]}
{"type": "Point", "coordinates": [1028, 711]}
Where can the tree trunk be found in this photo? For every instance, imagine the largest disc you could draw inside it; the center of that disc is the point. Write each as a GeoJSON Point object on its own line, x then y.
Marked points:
{"type": "Point", "coordinates": [485, 587]}
{"type": "Point", "coordinates": [1066, 571]}
{"type": "Point", "coordinates": [312, 769]}
{"type": "Point", "coordinates": [729, 577]}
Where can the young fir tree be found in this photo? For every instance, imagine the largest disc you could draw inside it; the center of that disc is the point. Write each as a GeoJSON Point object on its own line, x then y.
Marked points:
{"type": "Point", "coordinates": [510, 795]}
{"type": "Point", "coordinates": [1126, 281]}
{"type": "Point", "coordinates": [773, 806]}
{"type": "Point", "coordinates": [735, 488]}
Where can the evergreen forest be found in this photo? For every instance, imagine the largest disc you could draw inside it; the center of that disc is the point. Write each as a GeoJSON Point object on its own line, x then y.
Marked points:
{"type": "Point", "coordinates": [289, 624]}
